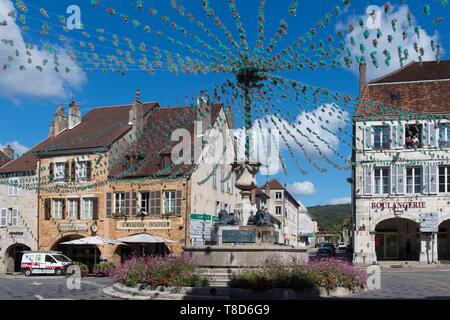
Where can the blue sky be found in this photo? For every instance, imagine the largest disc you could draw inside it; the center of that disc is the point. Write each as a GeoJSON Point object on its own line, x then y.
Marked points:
{"type": "Point", "coordinates": [27, 106]}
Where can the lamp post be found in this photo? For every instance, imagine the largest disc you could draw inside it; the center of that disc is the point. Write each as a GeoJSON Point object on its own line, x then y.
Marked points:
{"type": "Point", "coordinates": [248, 77]}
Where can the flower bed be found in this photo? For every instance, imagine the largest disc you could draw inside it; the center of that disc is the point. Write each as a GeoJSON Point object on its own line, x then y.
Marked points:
{"type": "Point", "coordinates": [155, 271]}
{"type": "Point", "coordinates": [328, 273]}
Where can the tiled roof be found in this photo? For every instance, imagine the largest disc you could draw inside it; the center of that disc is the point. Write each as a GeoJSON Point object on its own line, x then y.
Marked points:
{"type": "Point", "coordinates": [156, 141]}
{"type": "Point", "coordinates": [397, 95]}
{"type": "Point", "coordinates": [416, 71]}
{"type": "Point", "coordinates": [4, 159]}
{"type": "Point", "coordinates": [25, 163]}
{"type": "Point", "coordinates": [98, 128]}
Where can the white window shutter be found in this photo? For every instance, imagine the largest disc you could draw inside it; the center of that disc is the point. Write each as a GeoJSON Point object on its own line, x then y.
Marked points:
{"type": "Point", "coordinates": [14, 217]}
{"type": "Point", "coordinates": [368, 138]}
{"type": "Point", "coordinates": [3, 217]}
{"type": "Point", "coordinates": [425, 179]}
{"type": "Point", "coordinates": [393, 178]}
{"type": "Point", "coordinates": [400, 136]}
{"type": "Point", "coordinates": [400, 179]}
{"type": "Point", "coordinates": [425, 135]}
{"type": "Point", "coordinates": [432, 135]}
{"type": "Point", "coordinates": [393, 136]}
{"type": "Point", "coordinates": [368, 180]}
{"type": "Point", "coordinates": [433, 178]}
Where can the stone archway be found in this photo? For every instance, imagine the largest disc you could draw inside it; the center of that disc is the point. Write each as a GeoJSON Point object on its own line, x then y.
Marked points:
{"type": "Point", "coordinates": [13, 257]}
{"type": "Point", "coordinates": [443, 241]}
{"type": "Point", "coordinates": [392, 236]}
{"type": "Point", "coordinates": [86, 254]}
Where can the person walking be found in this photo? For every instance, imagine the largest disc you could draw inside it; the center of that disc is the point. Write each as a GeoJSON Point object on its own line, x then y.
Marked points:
{"type": "Point", "coordinates": [408, 249]}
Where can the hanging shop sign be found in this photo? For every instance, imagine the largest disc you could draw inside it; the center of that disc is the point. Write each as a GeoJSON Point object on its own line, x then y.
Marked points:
{"type": "Point", "coordinates": [144, 224]}
{"type": "Point", "coordinates": [399, 205]}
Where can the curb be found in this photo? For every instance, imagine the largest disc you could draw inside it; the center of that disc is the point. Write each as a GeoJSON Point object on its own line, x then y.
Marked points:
{"type": "Point", "coordinates": [219, 293]}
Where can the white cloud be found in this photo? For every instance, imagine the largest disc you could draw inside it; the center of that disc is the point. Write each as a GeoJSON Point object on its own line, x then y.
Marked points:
{"type": "Point", "coordinates": [305, 188]}
{"type": "Point", "coordinates": [19, 148]}
{"type": "Point", "coordinates": [398, 13]}
{"type": "Point", "coordinates": [343, 200]}
{"type": "Point", "coordinates": [15, 84]}
{"type": "Point", "coordinates": [309, 135]}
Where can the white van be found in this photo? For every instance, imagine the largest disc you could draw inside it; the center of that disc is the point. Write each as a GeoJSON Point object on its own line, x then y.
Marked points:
{"type": "Point", "coordinates": [37, 262]}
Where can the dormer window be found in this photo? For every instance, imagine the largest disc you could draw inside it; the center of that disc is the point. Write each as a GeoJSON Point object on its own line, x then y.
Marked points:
{"type": "Point", "coordinates": [395, 95]}
{"type": "Point", "coordinates": [413, 136]}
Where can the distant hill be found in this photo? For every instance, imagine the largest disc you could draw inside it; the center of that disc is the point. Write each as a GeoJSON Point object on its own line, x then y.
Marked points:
{"type": "Point", "coordinates": [330, 217]}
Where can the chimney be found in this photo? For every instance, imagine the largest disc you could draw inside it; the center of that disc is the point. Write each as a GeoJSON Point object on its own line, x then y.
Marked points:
{"type": "Point", "coordinates": [362, 78]}
{"type": "Point", "coordinates": [74, 114]}
{"type": "Point", "coordinates": [59, 122]}
{"type": "Point", "coordinates": [203, 110]}
{"type": "Point", "coordinates": [9, 151]}
{"type": "Point", "coordinates": [136, 115]}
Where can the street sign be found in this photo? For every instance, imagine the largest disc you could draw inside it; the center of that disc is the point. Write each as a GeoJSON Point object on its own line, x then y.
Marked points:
{"type": "Point", "coordinates": [429, 222]}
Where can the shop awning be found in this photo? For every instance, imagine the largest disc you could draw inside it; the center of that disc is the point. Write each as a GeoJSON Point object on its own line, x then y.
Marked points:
{"type": "Point", "coordinates": [145, 238]}
{"type": "Point", "coordinates": [92, 241]}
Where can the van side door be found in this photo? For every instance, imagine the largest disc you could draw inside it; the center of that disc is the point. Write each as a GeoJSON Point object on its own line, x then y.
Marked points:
{"type": "Point", "coordinates": [50, 264]}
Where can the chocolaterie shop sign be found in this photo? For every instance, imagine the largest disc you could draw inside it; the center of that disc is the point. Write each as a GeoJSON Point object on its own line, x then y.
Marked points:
{"type": "Point", "coordinates": [399, 205]}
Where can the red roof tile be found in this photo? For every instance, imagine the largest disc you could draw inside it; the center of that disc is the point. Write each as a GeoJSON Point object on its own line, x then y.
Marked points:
{"type": "Point", "coordinates": [155, 141]}
{"type": "Point", "coordinates": [4, 159]}
{"type": "Point", "coordinates": [416, 71]}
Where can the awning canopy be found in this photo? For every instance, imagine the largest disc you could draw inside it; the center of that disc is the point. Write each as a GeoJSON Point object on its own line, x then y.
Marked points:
{"type": "Point", "coordinates": [145, 238]}
{"type": "Point", "coordinates": [92, 241]}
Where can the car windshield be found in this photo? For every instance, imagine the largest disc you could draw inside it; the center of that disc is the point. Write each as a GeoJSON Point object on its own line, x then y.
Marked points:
{"type": "Point", "coordinates": [61, 258]}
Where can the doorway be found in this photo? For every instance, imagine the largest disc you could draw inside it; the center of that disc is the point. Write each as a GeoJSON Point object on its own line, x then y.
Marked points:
{"type": "Point", "coordinates": [386, 245]}
{"type": "Point", "coordinates": [13, 257]}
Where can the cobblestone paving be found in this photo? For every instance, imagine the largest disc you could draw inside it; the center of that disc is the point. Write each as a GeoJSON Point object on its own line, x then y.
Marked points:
{"type": "Point", "coordinates": [43, 288]}
{"type": "Point", "coordinates": [411, 284]}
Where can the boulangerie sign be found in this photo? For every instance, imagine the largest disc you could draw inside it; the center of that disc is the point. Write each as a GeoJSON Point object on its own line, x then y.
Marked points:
{"type": "Point", "coordinates": [399, 205]}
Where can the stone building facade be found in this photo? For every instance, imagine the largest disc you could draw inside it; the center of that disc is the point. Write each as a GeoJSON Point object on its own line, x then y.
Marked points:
{"type": "Point", "coordinates": [111, 174]}
{"type": "Point", "coordinates": [18, 210]}
{"type": "Point", "coordinates": [402, 169]}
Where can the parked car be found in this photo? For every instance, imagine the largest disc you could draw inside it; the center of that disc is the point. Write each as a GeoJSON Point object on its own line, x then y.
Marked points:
{"type": "Point", "coordinates": [37, 262]}
{"type": "Point", "coordinates": [342, 246]}
{"type": "Point", "coordinates": [330, 246]}
{"type": "Point", "coordinates": [324, 252]}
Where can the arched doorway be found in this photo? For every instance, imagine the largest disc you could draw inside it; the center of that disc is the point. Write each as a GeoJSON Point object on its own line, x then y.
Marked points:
{"type": "Point", "coordinates": [392, 236]}
{"type": "Point", "coordinates": [13, 257]}
{"type": "Point", "coordinates": [86, 254]}
{"type": "Point", "coordinates": [444, 241]}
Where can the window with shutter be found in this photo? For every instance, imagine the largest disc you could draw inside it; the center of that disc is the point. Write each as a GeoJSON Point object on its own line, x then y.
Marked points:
{"type": "Point", "coordinates": [400, 179]}
{"type": "Point", "coordinates": [393, 180]}
{"type": "Point", "coordinates": [47, 209]}
{"type": "Point", "coordinates": [88, 170]}
{"type": "Point", "coordinates": [95, 208]}
{"type": "Point", "coordinates": [127, 203]}
{"type": "Point", "coordinates": [368, 137]}
{"type": "Point", "coordinates": [432, 135]}
{"type": "Point", "coordinates": [14, 217]}
{"type": "Point", "coordinates": [73, 169]}
{"type": "Point", "coordinates": [66, 172]}
{"type": "Point", "coordinates": [108, 204]}
{"type": "Point", "coordinates": [133, 203]}
{"type": "Point", "coordinates": [433, 178]}
{"type": "Point", "coordinates": [178, 203]}
{"type": "Point", "coordinates": [51, 172]}
{"type": "Point", "coordinates": [367, 180]}
{"type": "Point", "coordinates": [3, 217]}
{"type": "Point", "coordinates": [444, 135]}
{"type": "Point", "coordinates": [400, 139]}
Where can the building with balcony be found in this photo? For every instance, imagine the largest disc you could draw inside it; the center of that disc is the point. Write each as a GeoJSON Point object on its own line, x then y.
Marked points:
{"type": "Point", "coordinates": [401, 167]}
